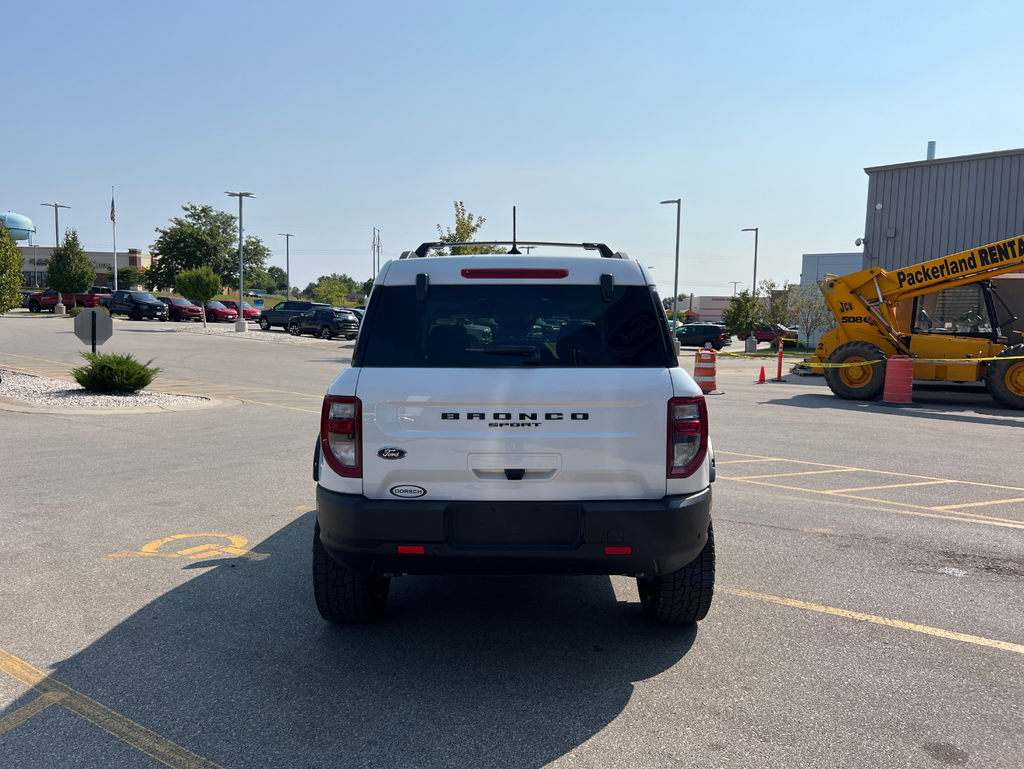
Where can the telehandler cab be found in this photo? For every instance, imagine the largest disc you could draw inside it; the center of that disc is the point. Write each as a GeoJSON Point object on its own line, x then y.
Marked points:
{"type": "Point", "coordinates": [944, 314]}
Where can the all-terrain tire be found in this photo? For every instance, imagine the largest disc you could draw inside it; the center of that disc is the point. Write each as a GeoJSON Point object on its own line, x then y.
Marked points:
{"type": "Point", "coordinates": [857, 383]}
{"type": "Point", "coordinates": [682, 596]}
{"type": "Point", "coordinates": [343, 596]}
{"type": "Point", "coordinates": [1004, 380]}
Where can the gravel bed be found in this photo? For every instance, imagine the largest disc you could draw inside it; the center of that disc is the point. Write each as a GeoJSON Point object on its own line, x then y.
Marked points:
{"type": "Point", "coordinates": [60, 392]}
{"type": "Point", "coordinates": [216, 329]}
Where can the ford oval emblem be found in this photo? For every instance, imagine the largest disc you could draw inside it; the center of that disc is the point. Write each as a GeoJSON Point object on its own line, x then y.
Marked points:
{"type": "Point", "coordinates": [408, 492]}
{"type": "Point", "coordinates": [391, 452]}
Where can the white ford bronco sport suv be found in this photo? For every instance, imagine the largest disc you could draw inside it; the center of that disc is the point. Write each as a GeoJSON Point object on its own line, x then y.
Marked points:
{"type": "Point", "coordinates": [509, 414]}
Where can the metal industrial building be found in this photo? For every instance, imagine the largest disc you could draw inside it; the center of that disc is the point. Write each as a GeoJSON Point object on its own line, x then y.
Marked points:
{"type": "Point", "coordinates": [930, 208]}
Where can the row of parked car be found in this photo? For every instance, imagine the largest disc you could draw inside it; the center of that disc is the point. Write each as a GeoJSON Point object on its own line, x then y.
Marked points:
{"type": "Point", "coordinates": [314, 318]}
{"type": "Point", "coordinates": [714, 335]}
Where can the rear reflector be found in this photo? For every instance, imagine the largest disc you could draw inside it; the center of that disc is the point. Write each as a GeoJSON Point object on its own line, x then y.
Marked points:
{"type": "Point", "coordinates": [619, 550]}
{"type": "Point", "coordinates": [482, 273]}
{"type": "Point", "coordinates": [410, 549]}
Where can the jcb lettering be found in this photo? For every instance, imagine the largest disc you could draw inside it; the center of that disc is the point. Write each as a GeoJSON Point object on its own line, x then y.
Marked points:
{"type": "Point", "coordinates": [846, 307]}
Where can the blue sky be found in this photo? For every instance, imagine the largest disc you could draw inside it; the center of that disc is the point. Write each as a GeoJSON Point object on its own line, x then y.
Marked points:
{"type": "Point", "coordinates": [342, 117]}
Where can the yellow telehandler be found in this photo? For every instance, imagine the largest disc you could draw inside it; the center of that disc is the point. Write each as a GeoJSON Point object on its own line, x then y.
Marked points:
{"type": "Point", "coordinates": [945, 314]}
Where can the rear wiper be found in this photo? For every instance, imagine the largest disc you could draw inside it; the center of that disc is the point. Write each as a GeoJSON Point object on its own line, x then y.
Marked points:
{"type": "Point", "coordinates": [528, 352]}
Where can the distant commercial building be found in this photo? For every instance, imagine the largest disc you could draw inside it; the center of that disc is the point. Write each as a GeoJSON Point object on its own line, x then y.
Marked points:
{"type": "Point", "coordinates": [34, 260]}
{"type": "Point", "coordinates": [930, 208]}
{"type": "Point", "coordinates": [816, 266]}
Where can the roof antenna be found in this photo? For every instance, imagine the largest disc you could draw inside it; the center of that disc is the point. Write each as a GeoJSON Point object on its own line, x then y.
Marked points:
{"type": "Point", "coordinates": [514, 249]}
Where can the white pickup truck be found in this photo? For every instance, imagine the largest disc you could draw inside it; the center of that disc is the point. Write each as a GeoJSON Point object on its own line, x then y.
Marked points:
{"type": "Point", "coordinates": [565, 440]}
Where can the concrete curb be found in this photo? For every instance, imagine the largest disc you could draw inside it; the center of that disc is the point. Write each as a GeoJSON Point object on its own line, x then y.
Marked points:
{"type": "Point", "coordinates": [27, 407]}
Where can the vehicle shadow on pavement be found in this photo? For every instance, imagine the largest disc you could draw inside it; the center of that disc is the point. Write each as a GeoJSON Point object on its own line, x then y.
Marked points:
{"type": "Point", "coordinates": [930, 405]}
{"type": "Point", "coordinates": [237, 666]}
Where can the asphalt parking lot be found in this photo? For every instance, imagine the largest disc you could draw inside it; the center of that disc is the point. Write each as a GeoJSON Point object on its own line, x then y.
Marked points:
{"type": "Point", "coordinates": [157, 609]}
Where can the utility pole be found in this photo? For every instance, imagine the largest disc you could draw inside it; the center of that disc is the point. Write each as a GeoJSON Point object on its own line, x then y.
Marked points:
{"type": "Point", "coordinates": [734, 284]}
{"type": "Point", "coordinates": [375, 247]}
{"type": "Point", "coordinates": [287, 262]}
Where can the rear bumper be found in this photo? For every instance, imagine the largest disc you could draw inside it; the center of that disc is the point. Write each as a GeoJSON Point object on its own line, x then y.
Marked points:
{"type": "Point", "coordinates": [513, 537]}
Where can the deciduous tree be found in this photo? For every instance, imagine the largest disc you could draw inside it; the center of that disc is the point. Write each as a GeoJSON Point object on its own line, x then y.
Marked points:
{"type": "Point", "coordinates": [10, 272]}
{"type": "Point", "coordinates": [742, 314]}
{"type": "Point", "coordinates": [199, 285]}
{"type": "Point", "coordinates": [466, 228]}
{"type": "Point", "coordinates": [812, 313]}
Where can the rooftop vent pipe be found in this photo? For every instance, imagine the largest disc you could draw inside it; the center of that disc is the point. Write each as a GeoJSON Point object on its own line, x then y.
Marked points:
{"type": "Point", "coordinates": [931, 150]}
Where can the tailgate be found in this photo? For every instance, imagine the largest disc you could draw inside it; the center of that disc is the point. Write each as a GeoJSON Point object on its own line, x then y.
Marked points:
{"type": "Point", "coordinates": [514, 434]}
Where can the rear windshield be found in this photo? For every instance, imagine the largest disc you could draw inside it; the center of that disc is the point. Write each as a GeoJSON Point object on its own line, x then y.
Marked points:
{"type": "Point", "coordinates": [501, 326]}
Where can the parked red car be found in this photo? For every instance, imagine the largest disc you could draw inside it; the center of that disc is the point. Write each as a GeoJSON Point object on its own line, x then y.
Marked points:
{"type": "Point", "coordinates": [182, 309]}
{"type": "Point", "coordinates": [764, 334]}
{"type": "Point", "coordinates": [216, 311]}
{"type": "Point", "coordinates": [248, 311]}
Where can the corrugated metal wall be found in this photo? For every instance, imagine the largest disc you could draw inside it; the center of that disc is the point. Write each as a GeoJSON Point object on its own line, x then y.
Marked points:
{"type": "Point", "coordinates": [939, 207]}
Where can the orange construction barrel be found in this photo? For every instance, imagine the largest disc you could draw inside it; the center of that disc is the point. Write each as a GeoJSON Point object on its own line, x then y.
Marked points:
{"type": "Point", "coordinates": [704, 370]}
{"type": "Point", "coordinates": [899, 380]}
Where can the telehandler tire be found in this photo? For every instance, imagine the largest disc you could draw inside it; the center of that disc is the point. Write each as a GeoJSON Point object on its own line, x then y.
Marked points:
{"type": "Point", "coordinates": [857, 383]}
{"type": "Point", "coordinates": [1004, 380]}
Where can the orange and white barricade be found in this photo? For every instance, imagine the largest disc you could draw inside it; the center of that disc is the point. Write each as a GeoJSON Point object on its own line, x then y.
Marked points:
{"type": "Point", "coordinates": [704, 370]}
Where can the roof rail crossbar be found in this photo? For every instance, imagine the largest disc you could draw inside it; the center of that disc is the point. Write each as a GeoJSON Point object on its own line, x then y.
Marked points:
{"type": "Point", "coordinates": [426, 248]}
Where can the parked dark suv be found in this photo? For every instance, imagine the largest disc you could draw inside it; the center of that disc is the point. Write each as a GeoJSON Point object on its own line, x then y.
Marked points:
{"type": "Point", "coordinates": [282, 312]}
{"type": "Point", "coordinates": [325, 323]}
{"type": "Point", "coordinates": [137, 305]}
{"type": "Point", "coordinates": [701, 335]}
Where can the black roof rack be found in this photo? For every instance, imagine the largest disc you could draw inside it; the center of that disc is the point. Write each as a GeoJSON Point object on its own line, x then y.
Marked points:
{"type": "Point", "coordinates": [426, 248]}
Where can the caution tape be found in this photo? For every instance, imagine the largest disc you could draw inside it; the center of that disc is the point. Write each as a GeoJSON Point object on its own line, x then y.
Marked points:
{"type": "Point", "coordinates": [936, 361]}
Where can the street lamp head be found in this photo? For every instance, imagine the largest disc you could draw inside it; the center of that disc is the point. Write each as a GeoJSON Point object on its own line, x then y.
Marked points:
{"type": "Point", "coordinates": [677, 201]}
{"type": "Point", "coordinates": [240, 194]}
{"type": "Point", "coordinates": [287, 234]}
{"type": "Point", "coordinates": [749, 229]}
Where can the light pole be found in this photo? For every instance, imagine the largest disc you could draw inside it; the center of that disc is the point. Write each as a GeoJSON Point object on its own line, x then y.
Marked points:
{"type": "Point", "coordinates": [751, 344]}
{"type": "Point", "coordinates": [755, 231]}
{"type": "Point", "coordinates": [59, 308]}
{"type": "Point", "coordinates": [240, 324]}
{"type": "Point", "coordinates": [675, 285]}
{"type": "Point", "coordinates": [734, 284]}
{"type": "Point", "coordinates": [287, 260]}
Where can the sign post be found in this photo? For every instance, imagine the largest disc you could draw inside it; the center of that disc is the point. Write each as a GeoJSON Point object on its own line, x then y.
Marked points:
{"type": "Point", "coordinates": [93, 326]}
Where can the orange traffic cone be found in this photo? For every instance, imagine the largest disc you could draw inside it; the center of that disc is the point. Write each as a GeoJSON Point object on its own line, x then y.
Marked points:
{"type": "Point", "coordinates": [760, 379]}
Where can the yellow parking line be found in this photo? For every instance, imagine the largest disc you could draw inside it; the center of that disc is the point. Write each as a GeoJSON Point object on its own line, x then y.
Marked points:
{"type": "Point", "coordinates": [139, 737]}
{"type": "Point", "coordinates": [743, 461]}
{"type": "Point", "coordinates": [34, 708]}
{"type": "Point", "coordinates": [891, 486]}
{"type": "Point", "coordinates": [918, 510]}
{"type": "Point", "coordinates": [979, 504]}
{"type": "Point", "coordinates": [894, 623]}
{"type": "Point", "coordinates": [881, 472]}
{"type": "Point", "coordinates": [787, 475]}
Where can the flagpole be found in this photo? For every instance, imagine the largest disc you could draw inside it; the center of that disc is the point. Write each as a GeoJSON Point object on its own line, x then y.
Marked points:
{"type": "Point", "coordinates": [113, 226]}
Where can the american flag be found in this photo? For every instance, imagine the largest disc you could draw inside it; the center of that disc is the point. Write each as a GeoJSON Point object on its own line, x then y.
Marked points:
{"type": "Point", "coordinates": [113, 214]}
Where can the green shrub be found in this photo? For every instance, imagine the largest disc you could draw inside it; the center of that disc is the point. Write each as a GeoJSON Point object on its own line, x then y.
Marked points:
{"type": "Point", "coordinates": [114, 373]}
{"type": "Point", "coordinates": [75, 311]}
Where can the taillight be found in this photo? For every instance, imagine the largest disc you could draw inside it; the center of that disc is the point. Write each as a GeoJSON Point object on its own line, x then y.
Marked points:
{"type": "Point", "coordinates": [340, 435]}
{"type": "Point", "coordinates": [721, 336]}
{"type": "Point", "coordinates": [687, 435]}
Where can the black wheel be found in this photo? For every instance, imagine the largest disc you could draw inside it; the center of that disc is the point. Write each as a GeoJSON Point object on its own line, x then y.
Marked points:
{"type": "Point", "coordinates": [343, 596]}
{"type": "Point", "coordinates": [135, 314]}
{"type": "Point", "coordinates": [1005, 379]}
{"type": "Point", "coordinates": [163, 319]}
{"type": "Point", "coordinates": [176, 317]}
{"type": "Point", "coordinates": [293, 329]}
{"type": "Point", "coordinates": [264, 324]}
{"type": "Point", "coordinates": [79, 304]}
{"type": "Point", "coordinates": [33, 306]}
{"type": "Point", "coordinates": [857, 383]}
{"type": "Point", "coordinates": [325, 332]}
{"type": "Point", "coordinates": [681, 596]}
